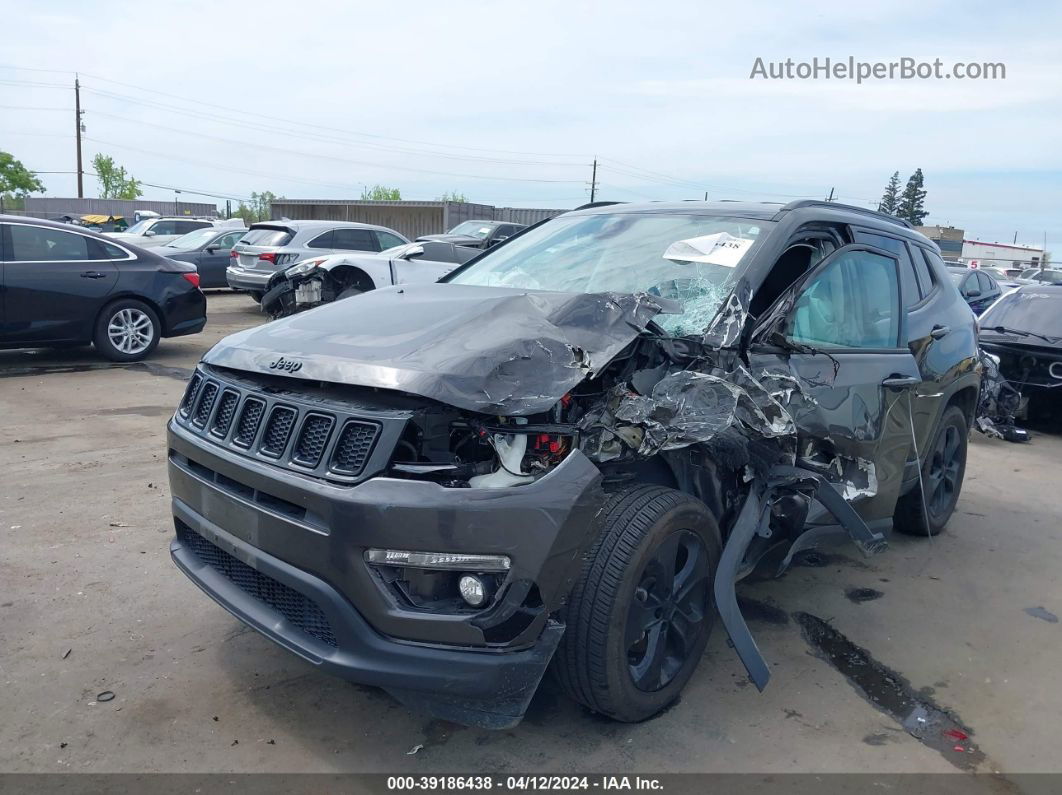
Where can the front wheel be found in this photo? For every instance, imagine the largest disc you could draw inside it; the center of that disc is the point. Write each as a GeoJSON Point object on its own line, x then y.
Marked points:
{"type": "Point", "coordinates": [943, 469]}
{"type": "Point", "coordinates": [127, 331]}
{"type": "Point", "coordinates": [640, 614]}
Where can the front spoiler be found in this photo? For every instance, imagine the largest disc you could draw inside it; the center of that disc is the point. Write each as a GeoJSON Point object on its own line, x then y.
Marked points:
{"type": "Point", "coordinates": [484, 688]}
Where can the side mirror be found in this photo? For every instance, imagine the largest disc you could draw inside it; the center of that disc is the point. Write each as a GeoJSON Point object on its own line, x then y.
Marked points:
{"type": "Point", "coordinates": [416, 251]}
{"type": "Point", "coordinates": [973, 293]}
{"type": "Point", "coordinates": [498, 240]}
{"type": "Point", "coordinates": [149, 233]}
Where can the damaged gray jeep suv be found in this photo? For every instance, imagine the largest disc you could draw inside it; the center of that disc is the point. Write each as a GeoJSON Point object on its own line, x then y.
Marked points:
{"type": "Point", "coordinates": [571, 449]}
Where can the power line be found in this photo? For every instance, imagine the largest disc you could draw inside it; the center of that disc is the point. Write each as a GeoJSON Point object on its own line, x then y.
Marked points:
{"type": "Point", "coordinates": [287, 132]}
{"type": "Point", "coordinates": [357, 133]}
{"type": "Point", "coordinates": [363, 163]}
{"type": "Point", "coordinates": [164, 187]}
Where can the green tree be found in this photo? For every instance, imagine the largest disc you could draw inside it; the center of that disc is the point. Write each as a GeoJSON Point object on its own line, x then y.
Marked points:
{"type": "Point", "coordinates": [891, 198]}
{"type": "Point", "coordinates": [114, 182]}
{"type": "Point", "coordinates": [16, 181]}
{"type": "Point", "coordinates": [262, 205]}
{"type": "Point", "coordinates": [912, 202]}
{"type": "Point", "coordinates": [381, 193]}
{"type": "Point", "coordinates": [452, 196]}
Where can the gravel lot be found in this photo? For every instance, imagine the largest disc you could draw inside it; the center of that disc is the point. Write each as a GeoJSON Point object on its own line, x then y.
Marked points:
{"type": "Point", "coordinates": [90, 602]}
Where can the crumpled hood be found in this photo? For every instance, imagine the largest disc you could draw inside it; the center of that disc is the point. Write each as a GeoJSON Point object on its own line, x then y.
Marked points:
{"type": "Point", "coordinates": [488, 349]}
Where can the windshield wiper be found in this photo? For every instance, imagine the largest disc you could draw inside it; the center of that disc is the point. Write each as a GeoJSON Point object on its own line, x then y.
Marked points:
{"type": "Point", "coordinates": [1019, 332]}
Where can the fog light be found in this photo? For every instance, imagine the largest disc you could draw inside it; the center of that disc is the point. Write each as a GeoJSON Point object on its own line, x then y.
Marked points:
{"type": "Point", "coordinates": [473, 590]}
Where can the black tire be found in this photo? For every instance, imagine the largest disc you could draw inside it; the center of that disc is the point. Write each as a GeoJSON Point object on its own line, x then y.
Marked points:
{"type": "Point", "coordinates": [115, 316]}
{"type": "Point", "coordinates": [255, 296]}
{"type": "Point", "coordinates": [596, 663]}
{"type": "Point", "coordinates": [943, 470]}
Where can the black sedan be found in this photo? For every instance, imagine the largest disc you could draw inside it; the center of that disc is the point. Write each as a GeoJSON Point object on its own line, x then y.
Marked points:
{"type": "Point", "coordinates": [1024, 329]}
{"type": "Point", "coordinates": [208, 249]}
{"type": "Point", "coordinates": [977, 288]}
{"type": "Point", "coordinates": [63, 286]}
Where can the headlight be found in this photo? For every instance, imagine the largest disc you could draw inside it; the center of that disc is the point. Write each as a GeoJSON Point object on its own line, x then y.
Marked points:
{"type": "Point", "coordinates": [302, 267]}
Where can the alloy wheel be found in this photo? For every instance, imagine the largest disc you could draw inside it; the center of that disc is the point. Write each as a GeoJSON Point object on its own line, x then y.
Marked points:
{"type": "Point", "coordinates": [669, 610]}
{"type": "Point", "coordinates": [945, 470]}
{"type": "Point", "coordinates": [130, 331]}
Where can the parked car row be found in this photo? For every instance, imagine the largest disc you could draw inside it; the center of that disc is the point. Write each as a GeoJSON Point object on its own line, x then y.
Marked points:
{"type": "Point", "coordinates": [65, 286]}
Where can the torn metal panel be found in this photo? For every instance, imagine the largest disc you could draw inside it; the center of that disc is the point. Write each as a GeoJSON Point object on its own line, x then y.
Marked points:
{"type": "Point", "coordinates": [998, 403]}
{"type": "Point", "coordinates": [754, 520]}
{"type": "Point", "coordinates": [728, 326]}
{"type": "Point", "coordinates": [485, 349]}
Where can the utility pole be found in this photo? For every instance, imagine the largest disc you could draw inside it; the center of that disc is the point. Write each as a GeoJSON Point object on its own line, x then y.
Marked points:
{"type": "Point", "coordinates": [228, 208]}
{"type": "Point", "coordinates": [176, 202]}
{"type": "Point", "coordinates": [593, 182]}
{"type": "Point", "coordinates": [706, 195]}
{"type": "Point", "coordinates": [830, 197]}
{"type": "Point", "coordinates": [77, 119]}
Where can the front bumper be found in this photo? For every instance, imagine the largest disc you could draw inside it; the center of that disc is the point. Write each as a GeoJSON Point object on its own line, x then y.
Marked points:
{"type": "Point", "coordinates": [289, 576]}
{"type": "Point", "coordinates": [242, 279]}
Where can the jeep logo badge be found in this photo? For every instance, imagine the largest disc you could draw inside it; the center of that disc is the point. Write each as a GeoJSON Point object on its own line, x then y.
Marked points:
{"type": "Point", "coordinates": [287, 365]}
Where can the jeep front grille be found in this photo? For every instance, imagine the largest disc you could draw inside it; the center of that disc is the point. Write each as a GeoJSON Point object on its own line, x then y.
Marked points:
{"type": "Point", "coordinates": [313, 438]}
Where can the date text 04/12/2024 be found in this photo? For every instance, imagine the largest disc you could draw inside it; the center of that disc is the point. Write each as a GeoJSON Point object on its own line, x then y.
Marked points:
{"type": "Point", "coordinates": [521, 783]}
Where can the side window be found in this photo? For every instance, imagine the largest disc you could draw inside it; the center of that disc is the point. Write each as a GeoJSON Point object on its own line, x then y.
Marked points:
{"type": "Point", "coordinates": [355, 240]}
{"type": "Point", "coordinates": [911, 294]}
{"type": "Point", "coordinates": [105, 250]}
{"type": "Point", "coordinates": [184, 227]}
{"type": "Point", "coordinates": [505, 230]}
{"type": "Point", "coordinates": [165, 228]}
{"type": "Point", "coordinates": [968, 284]}
{"type": "Point", "coordinates": [921, 265]}
{"type": "Point", "coordinates": [387, 240]}
{"type": "Point", "coordinates": [321, 241]}
{"type": "Point", "coordinates": [854, 302]}
{"type": "Point", "coordinates": [985, 282]}
{"type": "Point", "coordinates": [229, 240]}
{"type": "Point", "coordinates": [42, 244]}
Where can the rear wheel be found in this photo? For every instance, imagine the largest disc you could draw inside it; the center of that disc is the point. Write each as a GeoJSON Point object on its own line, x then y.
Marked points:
{"type": "Point", "coordinates": [640, 614]}
{"type": "Point", "coordinates": [943, 470]}
{"type": "Point", "coordinates": [127, 331]}
{"type": "Point", "coordinates": [349, 292]}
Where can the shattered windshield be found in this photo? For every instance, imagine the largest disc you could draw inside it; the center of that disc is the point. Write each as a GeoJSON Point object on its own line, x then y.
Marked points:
{"type": "Point", "coordinates": [689, 258]}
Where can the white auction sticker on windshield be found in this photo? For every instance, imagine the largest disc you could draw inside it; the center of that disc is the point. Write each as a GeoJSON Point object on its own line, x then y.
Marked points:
{"type": "Point", "coordinates": [718, 249]}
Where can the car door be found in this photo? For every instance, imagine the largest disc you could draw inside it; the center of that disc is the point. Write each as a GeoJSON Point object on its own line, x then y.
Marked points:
{"type": "Point", "coordinates": [213, 259]}
{"type": "Point", "coordinates": [55, 283]}
{"type": "Point", "coordinates": [841, 331]}
{"type": "Point", "coordinates": [428, 261]}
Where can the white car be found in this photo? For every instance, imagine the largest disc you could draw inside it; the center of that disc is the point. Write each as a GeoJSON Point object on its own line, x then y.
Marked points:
{"type": "Point", "coordinates": [152, 232]}
{"type": "Point", "coordinates": [320, 280]}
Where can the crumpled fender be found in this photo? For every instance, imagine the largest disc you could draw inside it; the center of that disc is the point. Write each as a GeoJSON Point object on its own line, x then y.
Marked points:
{"type": "Point", "coordinates": [754, 519]}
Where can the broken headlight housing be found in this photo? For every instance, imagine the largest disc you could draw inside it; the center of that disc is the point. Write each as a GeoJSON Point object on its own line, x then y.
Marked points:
{"type": "Point", "coordinates": [301, 268]}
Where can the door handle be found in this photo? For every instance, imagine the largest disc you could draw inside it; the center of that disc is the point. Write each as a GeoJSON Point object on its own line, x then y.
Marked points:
{"type": "Point", "coordinates": [939, 331]}
{"type": "Point", "coordinates": [93, 275]}
{"type": "Point", "coordinates": [895, 381]}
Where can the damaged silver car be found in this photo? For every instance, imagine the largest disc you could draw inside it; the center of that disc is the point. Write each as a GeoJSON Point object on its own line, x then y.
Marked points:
{"type": "Point", "coordinates": [570, 450]}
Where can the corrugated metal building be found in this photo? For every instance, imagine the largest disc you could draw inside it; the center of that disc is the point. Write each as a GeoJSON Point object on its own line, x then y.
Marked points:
{"type": "Point", "coordinates": [54, 207]}
{"type": "Point", "coordinates": [410, 218]}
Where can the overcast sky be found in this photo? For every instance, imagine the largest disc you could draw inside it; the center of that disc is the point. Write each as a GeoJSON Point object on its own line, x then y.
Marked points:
{"type": "Point", "coordinates": [508, 103]}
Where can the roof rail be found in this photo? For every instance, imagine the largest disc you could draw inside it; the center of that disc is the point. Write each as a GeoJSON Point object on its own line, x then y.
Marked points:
{"type": "Point", "coordinates": [801, 203]}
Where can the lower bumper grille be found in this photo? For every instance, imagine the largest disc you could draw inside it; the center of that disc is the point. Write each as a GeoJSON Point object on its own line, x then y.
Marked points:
{"type": "Point", "coordinates": [300, 610]}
